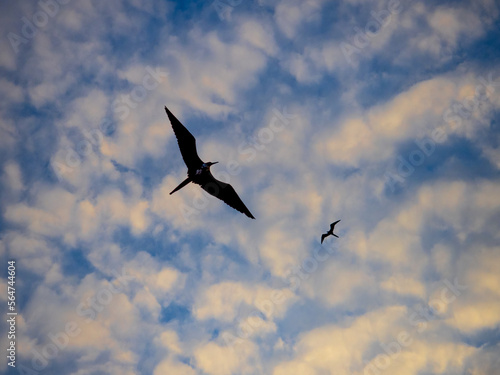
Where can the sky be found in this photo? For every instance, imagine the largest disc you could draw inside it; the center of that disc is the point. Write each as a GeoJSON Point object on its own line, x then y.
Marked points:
{"type": "Point", "coordinates": [384, 114]}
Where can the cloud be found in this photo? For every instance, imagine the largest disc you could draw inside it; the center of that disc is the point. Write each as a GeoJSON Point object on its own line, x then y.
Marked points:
{"type": "Point", "coordinates": [221, 360]}
{"type": "Point", "coordinates": [290, 16]}
{"type": "Point", "coordinates": [12, 177]}
{"type": "Point", "coordinates": [168, 366]}
{"type": "Point", "coordinates": [153, 283]}
{"type": "Point", "coordinates": [371, 135]}
{"type": "Point", "coordinates": [222, 301]}
{"type": "Point", "coordinates": [340, 347]}
{"type": "Point", "coordinates": [260, 36]}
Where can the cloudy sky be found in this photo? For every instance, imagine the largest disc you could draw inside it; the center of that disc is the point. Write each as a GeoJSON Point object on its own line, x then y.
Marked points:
{"type": "Point", "coordinates": [385, 114]}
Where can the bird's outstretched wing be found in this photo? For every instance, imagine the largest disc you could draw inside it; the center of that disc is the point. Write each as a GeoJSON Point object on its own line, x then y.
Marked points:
{"type": "Point", "coordinates": [224, 192]}
{"type": "Point", "coordinates": [186, 141]}
{"type": "Point", "coordinates": [323, 236]}
{"type": "Point", "coordinates": [332, 225]}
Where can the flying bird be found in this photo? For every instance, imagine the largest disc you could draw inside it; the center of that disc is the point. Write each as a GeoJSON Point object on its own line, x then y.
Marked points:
{"type": "Point", "coordinates": [199, 171]}
{"type": "Point", "coordinates": [330, 232]}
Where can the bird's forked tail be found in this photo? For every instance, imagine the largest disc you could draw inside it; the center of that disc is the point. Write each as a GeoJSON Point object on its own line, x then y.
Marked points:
{"type": "Point", "coordinates": [181, 185]}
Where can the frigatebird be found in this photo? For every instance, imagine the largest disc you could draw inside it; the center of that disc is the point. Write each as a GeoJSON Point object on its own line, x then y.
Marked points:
{"type": "Point", "coordinates": [330, 232]}
{"type": "Point", "coordinates": [199, 171]}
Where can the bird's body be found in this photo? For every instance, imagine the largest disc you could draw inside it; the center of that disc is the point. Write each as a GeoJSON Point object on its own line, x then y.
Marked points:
{"type": "Point", "coordinates": [199, 171]}
{"type": "Point", "coordinates": [330, 232]}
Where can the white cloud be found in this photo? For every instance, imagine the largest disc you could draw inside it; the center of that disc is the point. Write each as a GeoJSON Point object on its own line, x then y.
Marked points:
{"type": "Point", "coordinates": [290, 15]}
{"type": "Point", "coordinates": [214, 359]}
{"type": "Point", "coordinates": [223, 300]}
{"type": "Point", "coordinates": [374, 135]}
{"type": "Point", "coordinates": [218, 273]}
{"type": "Point", "coordinates": [170, 340]}
{"type": "Point", "coordinates": [12, 177]}
{"type": "Point", "coordinates": [173, 367]}
{"type": "Point", "coordinates": [259, 35]}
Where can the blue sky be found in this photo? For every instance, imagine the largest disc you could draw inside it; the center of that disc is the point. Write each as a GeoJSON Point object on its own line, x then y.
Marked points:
{"type": "Point", "coordinates": [384, 114]}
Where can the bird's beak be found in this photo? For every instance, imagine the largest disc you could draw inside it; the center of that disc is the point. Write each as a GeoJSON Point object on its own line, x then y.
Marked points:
{"type": "Point", "coordinates": [215, 162]}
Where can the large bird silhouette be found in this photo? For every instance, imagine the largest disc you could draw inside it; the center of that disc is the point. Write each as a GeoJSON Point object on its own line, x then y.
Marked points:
{"type": "Point", "coordinates": [330, 232]}
{"type": "Point", "coordinates": [199, 171]}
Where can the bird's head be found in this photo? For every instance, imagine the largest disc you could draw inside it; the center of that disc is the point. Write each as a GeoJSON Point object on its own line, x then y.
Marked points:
{"type": "Point", "coordinates": [209, 164]}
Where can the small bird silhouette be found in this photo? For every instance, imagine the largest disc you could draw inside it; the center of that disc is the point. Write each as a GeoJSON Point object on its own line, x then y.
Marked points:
{"type": "Point", "coordinates": [199, 171]}
{"type": "Point", "coordinates": [330, 232]}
